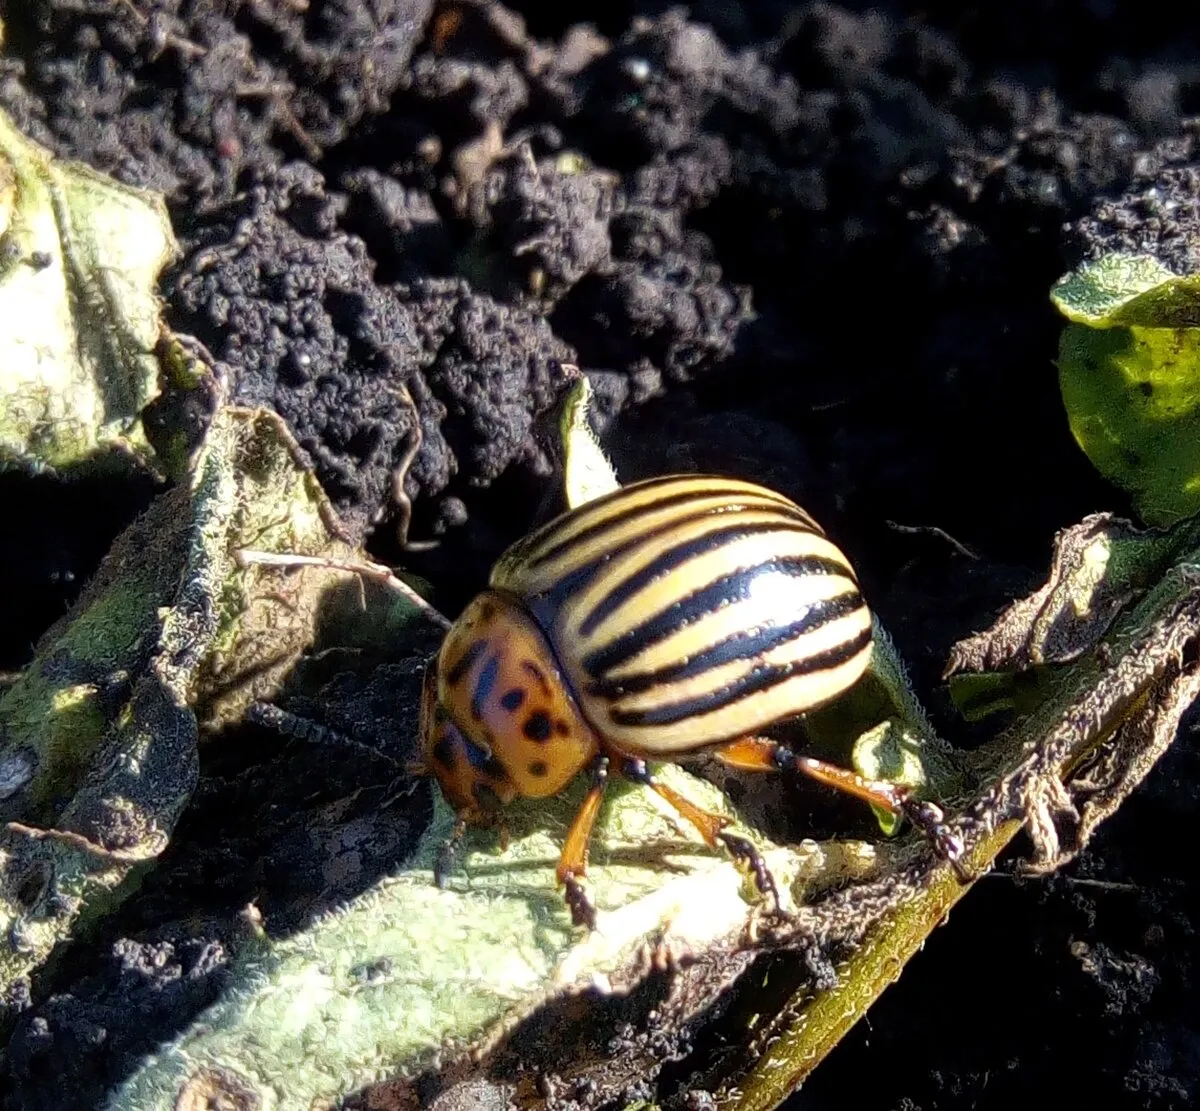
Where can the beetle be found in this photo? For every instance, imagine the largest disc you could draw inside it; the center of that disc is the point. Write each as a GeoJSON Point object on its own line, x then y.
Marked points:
{"type": "Point", "coordinates": [673, 617]}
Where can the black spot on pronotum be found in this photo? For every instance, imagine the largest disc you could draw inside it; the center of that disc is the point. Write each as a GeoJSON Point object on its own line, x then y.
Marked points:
{"type": "Point", "coordinates": [561, 728]}
{"type": "Point", "coordinates": [538, 726]}
{"type": "Point", "coordinates": [512, 700]}
{"type": "Point", "coordinates": [538, 768]}
{"type": "Point", "coordinates": [466, 661]}
{"type": "Point", "coordinates": [443, 753]}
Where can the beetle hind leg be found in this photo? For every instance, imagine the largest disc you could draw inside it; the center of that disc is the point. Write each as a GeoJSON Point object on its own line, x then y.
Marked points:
{"type": "Point", "coordinates": [711, 827]}
{"type": "Point", "coordinates": [762, 754]}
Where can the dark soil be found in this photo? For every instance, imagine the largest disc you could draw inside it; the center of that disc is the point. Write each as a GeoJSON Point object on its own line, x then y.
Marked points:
{"type": "Point", "coordinates": [807, 244]}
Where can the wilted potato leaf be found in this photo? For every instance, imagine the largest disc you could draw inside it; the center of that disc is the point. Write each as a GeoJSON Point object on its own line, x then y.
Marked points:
{"type": "Point", "coordinates": [1097, 567]}
{"type": "Point", "coordinates": [98, 735]}
{"type": "Point", "coordinates": [409, 986]}
{"type": "Point", "coordinates": [1129, 371]}
{"type": "Point", "coordinates": [409, 977]}
{"type": "Point", "coordinates": [82, 255]}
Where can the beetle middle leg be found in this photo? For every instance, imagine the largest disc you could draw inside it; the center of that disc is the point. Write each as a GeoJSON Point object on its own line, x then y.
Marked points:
{"type": "Point", "coordinates": [709, 825]}
{"type": "Point", "coordinates": [572, 861]}
{"type": "Point", "coordinates": [763, 754]}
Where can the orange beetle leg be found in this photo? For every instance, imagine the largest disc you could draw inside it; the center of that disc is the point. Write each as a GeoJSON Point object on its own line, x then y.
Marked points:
{"type": "Point", "coordinates": [572, 861]}
{"type": "Point", "coordinates": [707, 824]}
{"type": "Point", "coordinates": [763, 754]}
{"type": "Point", "coordinates": [710, 826]}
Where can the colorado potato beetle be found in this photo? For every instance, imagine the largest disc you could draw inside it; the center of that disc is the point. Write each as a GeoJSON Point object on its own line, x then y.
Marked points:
{"type": "Point", "coordinates": [672, 617]}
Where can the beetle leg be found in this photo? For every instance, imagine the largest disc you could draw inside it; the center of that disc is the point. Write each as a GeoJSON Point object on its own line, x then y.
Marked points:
{"type": "Point", "coordinates": [445, 857]}
{"type": "Point", "coordinates": [763, 754]}
{"type": "Point", "coordinates": [707, 824]}
{"type": "Point", "coordinates": [710, 826]}
{"type": "Point", "coordinates": [746, 852]}
{"type": "Point", "coordinates": [572, 862]}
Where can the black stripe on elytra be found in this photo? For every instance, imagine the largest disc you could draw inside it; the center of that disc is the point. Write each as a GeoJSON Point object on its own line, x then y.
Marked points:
{"type": "Point", "coordinates": [484, 685]}
{"type": "Point", "coordinates": [634, 512]}
{"type": "Point", "coordinates": [745, 686]}
{"type": "Point", "coordinates": [723, 591]}
{"type": "Point", "coordinates": [544, 532]}
{"type": "Point", "coordinates": [466, 661]}
{"type": "Point", "coordinates": [743, 645]}
{"type": "Point", "coordinates": [546, 606]}
{"type": "Point", "coordinates": [688, 548]}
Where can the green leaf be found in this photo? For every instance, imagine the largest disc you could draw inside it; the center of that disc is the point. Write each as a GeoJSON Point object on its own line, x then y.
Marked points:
{"type": "Point", "coordinates": [1122, 290]}
{"type": "Point", "coordinates": [1133, 401]}
{"type": "Point", "coordinates": [81, 258]}
{"type": "Point", "coordinates": [1129, 372]}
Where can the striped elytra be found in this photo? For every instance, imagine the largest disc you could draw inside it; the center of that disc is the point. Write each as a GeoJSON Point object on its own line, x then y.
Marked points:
{"type": "Point", "coordinates": [690, 610]}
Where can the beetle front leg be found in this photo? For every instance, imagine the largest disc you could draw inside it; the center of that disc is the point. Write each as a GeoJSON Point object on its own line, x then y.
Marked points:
{"type": "Point", "coordinates": [763, 754]}
{"type": "Point", "coordinates": [447, 852]}
{"type": "Point", "coordinates": [572, 862]}
{"type": "Point", "coordinates": [710, 826]}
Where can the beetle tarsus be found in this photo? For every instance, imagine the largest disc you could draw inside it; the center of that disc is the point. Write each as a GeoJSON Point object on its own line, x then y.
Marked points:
{"type": "Point", "coordinates": [930, 819]}
{"type": "Point", "coordinates": [763, 754]}
{"type": "Point", "coordinates": [745, 852]}
{"type": "Point", "coordinates": [583, 912]}
{"type": "Point", "coordinates": [444, 864]}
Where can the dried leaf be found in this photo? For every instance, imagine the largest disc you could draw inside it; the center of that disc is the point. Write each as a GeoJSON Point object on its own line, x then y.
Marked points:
{"type": "Point", "coordinates": [82, 255]}
{"type": "Point", "coordinates": [98, 735]}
